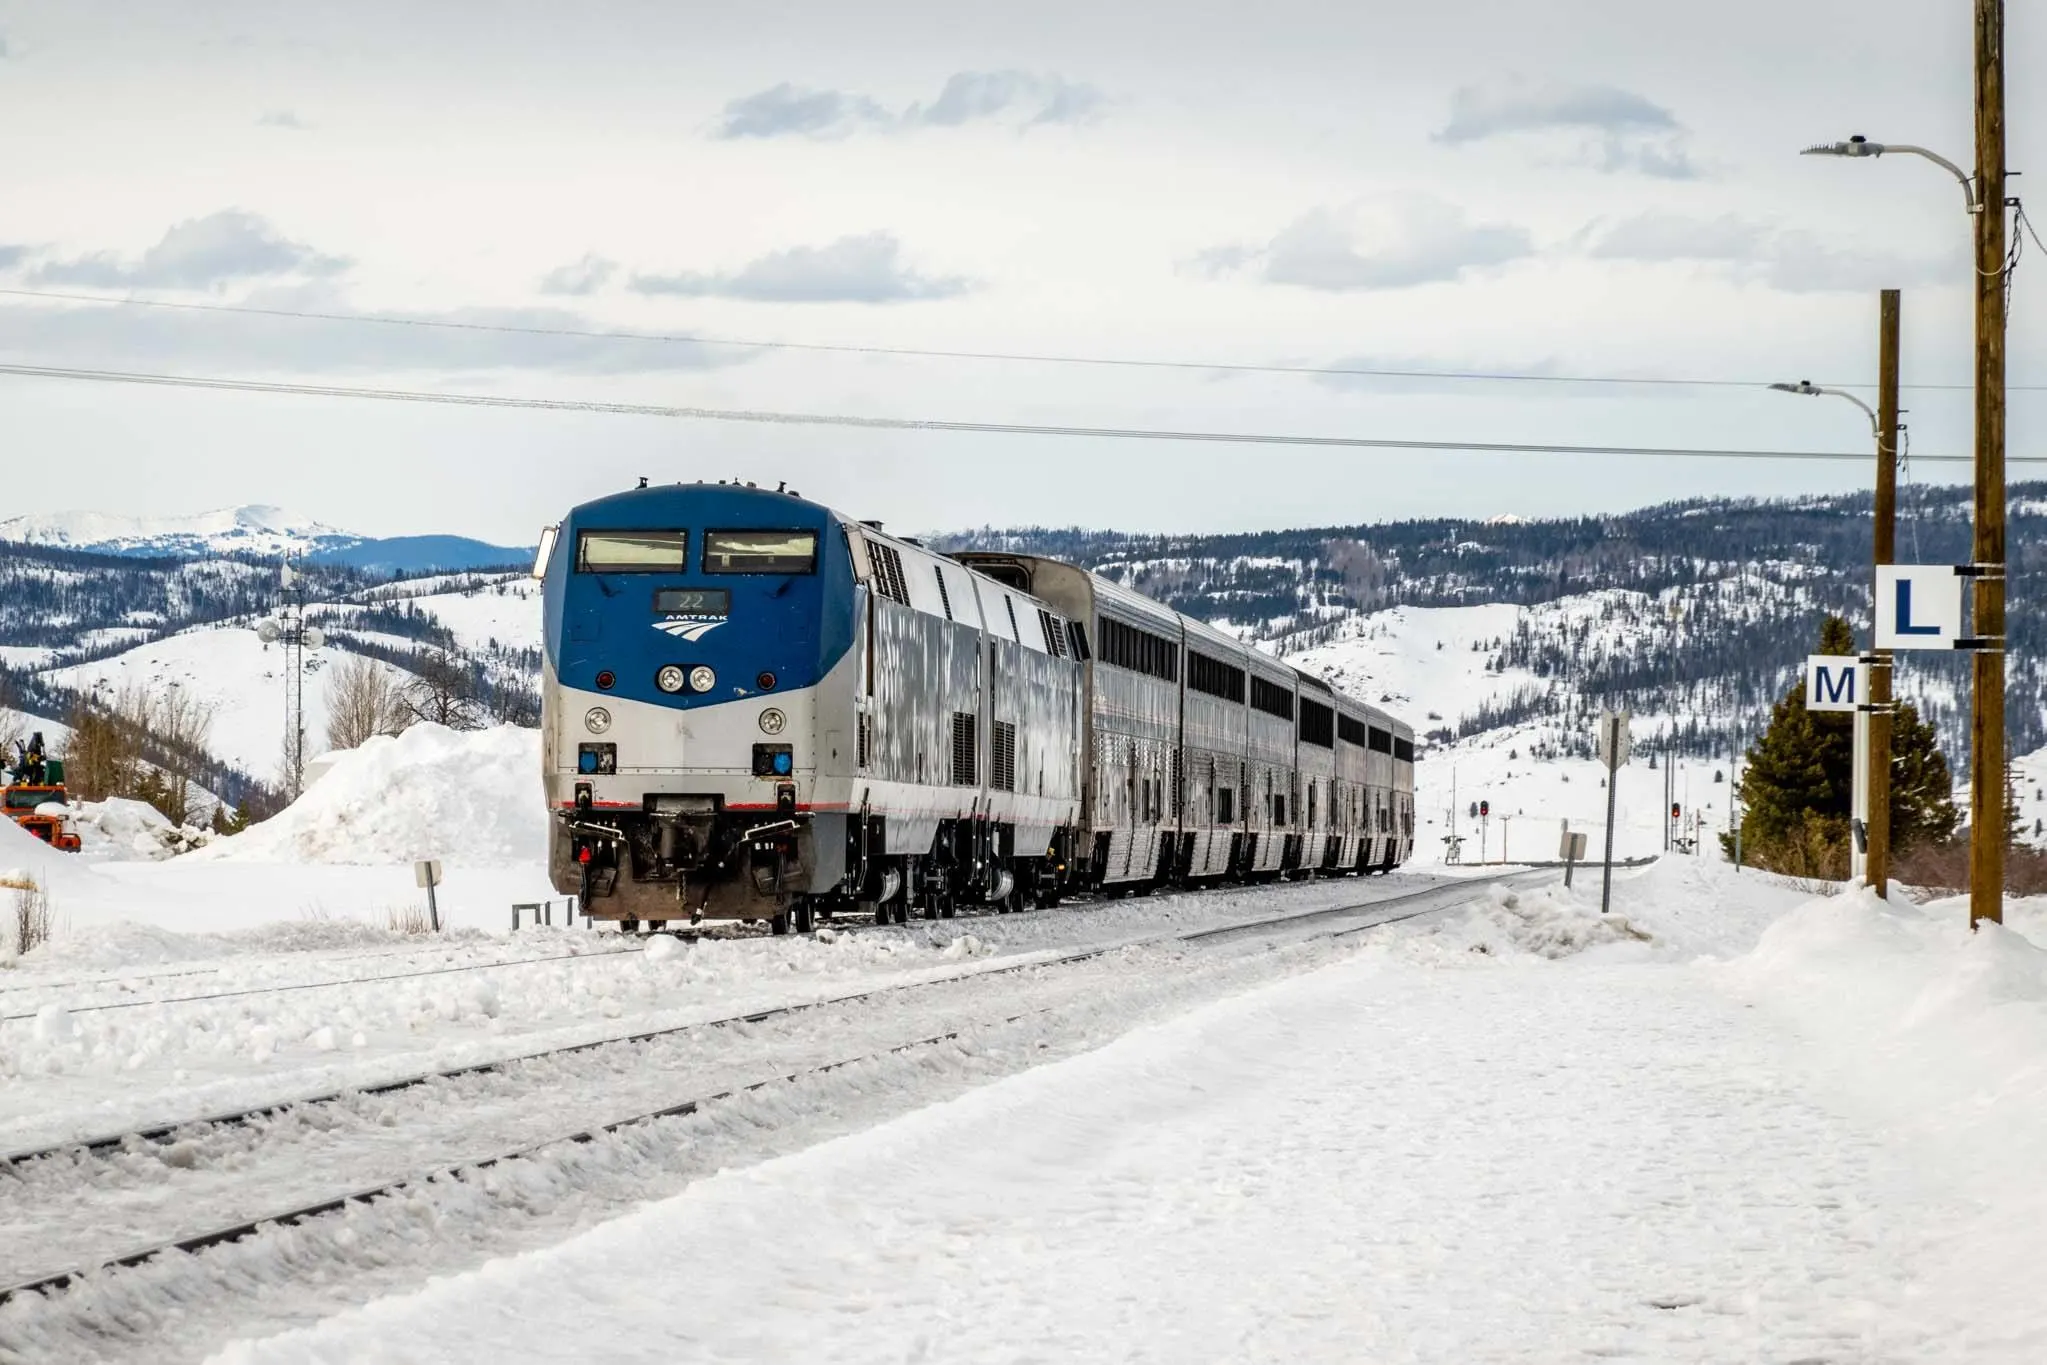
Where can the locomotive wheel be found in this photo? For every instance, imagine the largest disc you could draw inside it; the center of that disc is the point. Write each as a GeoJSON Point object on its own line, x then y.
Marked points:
{"type": "Point", "coordinates": [901, 911]}
{"type": "Point", "coordinates": [629, 926]}
{"type": "Point", "coordinates": [779, 924]}
{"type": "Point", "coordinates": [803, 919]}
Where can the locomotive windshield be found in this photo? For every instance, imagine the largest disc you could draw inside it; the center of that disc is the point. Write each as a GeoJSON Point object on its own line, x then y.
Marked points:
{"type": "Point", "coordinates": [786, 552]}
{"type": "Point", "coordinates": [631, 551]}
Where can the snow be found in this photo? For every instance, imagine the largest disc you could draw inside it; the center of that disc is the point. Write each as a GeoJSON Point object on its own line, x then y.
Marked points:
{"type": "Point", "coordinates": [1475, 1141]}
{"type": "Point", "coordinates": [120, 829]}
{"type": "Point", "coordinates": [245, 530]}
{"type": "Point", "coordinates": [241, 676]}
{"type": "Point", "coordinates": [1725, 1121]}
{"type": "Point", "coordinates": [505, 614]}
{"type": "Point", "coordinates": [472, 799]}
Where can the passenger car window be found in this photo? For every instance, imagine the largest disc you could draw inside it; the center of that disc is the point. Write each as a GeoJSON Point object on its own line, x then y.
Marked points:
{"type": "Point", "coordinates": [631, 551]}
{"type": "Point", "coordinates": [784, 552]}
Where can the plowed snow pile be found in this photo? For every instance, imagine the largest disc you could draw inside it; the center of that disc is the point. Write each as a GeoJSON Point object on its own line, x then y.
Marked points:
{"type": "Point", "coordinates": [22, 855]}
{"type": "Point", "coordinates": [471, 799]}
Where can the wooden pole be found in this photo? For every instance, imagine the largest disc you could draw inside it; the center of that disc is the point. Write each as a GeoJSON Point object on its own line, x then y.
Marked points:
{"type": "Point", "coordinates": [1986, 776]}
{"type": "Point", "coordinates": [1884, 551]}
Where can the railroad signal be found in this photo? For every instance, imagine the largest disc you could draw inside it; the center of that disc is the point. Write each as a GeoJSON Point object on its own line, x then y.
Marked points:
{"type": "Point", "coordinates": [1485, 808]}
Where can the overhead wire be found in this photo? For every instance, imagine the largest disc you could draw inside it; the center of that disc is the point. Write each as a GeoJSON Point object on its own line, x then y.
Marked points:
{"type": "Point", "coordinates": [934, 353]}
{"type": "Point", "coordinates": [773, 417]}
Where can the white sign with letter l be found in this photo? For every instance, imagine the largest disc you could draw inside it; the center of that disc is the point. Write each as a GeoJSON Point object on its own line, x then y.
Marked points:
{"type": "Point", "coordinates": [1918, 606]}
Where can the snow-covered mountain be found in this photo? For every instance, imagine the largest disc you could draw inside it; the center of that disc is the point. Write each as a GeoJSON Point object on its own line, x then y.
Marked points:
{"type": "Point", "coordinates": [254, 530]}
{"type": "Point", "coordinates": [260, 531]}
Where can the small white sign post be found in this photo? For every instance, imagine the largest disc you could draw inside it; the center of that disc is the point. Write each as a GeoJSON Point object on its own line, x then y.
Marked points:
{"type": "Point", "coordinates": [1834, 682]}
{"type": "Point", "coordinates": [1918, 606]}
{"type": "Point", "coordinates": [427, 873]}
{"type": "Point", "coordinates": [1614, 744]}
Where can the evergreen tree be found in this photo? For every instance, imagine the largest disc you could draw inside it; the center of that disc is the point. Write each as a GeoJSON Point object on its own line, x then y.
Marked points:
{"type": "Point", "coordinates": [1798, 790]}
{"type": "Point", "coordinates": [1922, 787]}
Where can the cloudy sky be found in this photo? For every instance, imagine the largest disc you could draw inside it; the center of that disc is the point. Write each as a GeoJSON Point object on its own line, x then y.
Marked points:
{"type": "Point", "coordinates": [1572, 189]}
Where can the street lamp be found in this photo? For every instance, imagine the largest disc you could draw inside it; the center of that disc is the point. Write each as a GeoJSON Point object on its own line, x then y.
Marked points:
{"type": "Point", "coordinates": [1872, 740]}
{"type": "Point", "coordinates": [1984, 196]}
{"type": "Point", "coordinates": [1812, 390]}
{"type": "Point", "coordinates": [1859, 145]}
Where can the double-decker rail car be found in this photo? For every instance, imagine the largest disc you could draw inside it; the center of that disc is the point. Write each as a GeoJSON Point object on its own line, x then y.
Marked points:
{"type": "Point", "coordinates": [756, 708]}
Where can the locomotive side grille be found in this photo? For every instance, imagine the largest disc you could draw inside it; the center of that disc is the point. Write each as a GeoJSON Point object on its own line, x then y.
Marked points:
{"type": "Point", "coordinates": [1004, 759]}
{"type": "Point", "coordinates": [965, 749]}
{"type": "Point", "coordinates": [865, 737]}
{"type": "Point", "coordinates": [944, 597]}
{"type": "Point", "coordinates": [888, 572]}
{"type": "Point", "coordinates": [1055, 640]}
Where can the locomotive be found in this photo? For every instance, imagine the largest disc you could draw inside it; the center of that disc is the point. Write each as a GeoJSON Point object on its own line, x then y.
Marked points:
{"type": "Point", "coordinates": [757, 708]}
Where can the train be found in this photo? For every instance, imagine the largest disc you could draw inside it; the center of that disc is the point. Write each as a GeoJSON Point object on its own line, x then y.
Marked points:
{"type": "Point", "coordinates": [757, 708]}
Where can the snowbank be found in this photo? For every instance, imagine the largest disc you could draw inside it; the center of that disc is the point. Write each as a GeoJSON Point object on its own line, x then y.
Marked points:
{"type": "Point", "coordinates": [133, 831]}
{"type": "Point", "coordinates": [22, 855]}
{"type": "Point", "coordinates": [469, 798]}
{"type": "Point", "coordinates": [1939, 1035]}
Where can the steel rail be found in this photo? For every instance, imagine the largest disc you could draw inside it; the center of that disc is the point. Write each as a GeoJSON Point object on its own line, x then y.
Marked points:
{"type": "Point", "coordinates": [46, 1282]}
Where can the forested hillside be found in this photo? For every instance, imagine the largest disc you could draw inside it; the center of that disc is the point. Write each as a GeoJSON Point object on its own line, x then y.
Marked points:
{"type": "Point", "coordinates": [1695, 610]}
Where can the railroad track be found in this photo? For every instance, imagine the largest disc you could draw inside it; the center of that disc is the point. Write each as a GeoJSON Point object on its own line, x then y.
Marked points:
{"type": "Point", "coordinates": [287, 988]}
{"type": "Point", "coordinates": [1335, 922]}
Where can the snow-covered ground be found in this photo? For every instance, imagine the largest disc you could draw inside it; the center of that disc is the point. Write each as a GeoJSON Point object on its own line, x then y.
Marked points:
{"type": "Point", "coordinates": [1735, 1127]}
{"type": "Point", "coordinates": [1725, 1122]}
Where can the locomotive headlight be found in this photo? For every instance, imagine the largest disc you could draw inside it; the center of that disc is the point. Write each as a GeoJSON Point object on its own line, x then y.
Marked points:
{"type": "Point", "coordinates": [772, 721]}
{"type": "Point", "coordinates": [670, 678]}
{"type": "Point", "coordinates": [597, 720]}
{"type": "Point", "coordinates": [702, 679]}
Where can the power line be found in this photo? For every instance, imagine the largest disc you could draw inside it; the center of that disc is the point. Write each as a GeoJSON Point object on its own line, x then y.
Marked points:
{"type": "Point", "coordinates": [923, 424]}
{"type": "Point", "coordinates": [926, 353]}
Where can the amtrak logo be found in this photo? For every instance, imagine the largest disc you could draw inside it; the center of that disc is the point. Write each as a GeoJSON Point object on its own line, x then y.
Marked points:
{"type": "Point", "coordinates": [689, 628]}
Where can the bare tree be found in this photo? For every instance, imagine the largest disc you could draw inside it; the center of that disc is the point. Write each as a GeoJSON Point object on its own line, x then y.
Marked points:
{"type": "Point", "coordinates": [443, 692]}
{"type": "Point", "coordinates": [13, 729]}
{"type": "Point", "coordinates": [363, 701]}
{"type": "Point", "coordinates": [104, 755]}
{"type": "Point", "coordinates": [181, 723]}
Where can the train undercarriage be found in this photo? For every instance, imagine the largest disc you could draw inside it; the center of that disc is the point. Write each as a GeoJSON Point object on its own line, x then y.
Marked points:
{"type": "Point", "coordinates": [685, 859]}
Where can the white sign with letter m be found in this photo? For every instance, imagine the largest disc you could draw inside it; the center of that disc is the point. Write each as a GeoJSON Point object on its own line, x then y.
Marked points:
{"type": "Point", "coordinates": [1833, 682]}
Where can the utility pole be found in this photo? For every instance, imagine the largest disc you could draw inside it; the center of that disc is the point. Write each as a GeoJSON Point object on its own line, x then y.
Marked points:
{"type": "Point", "coordinates": [1986, 769]}
{"type": "Point", "coordinates": [1883, 544]}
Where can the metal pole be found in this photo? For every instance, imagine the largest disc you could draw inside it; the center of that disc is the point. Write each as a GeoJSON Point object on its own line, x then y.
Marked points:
{"type": "Point", "coordinates": [1986, 776]}
{"type": "Point", "coordinates": [1734, 790]}
{"type": "Point", "coordinates": [1613, 779]}
{"type": "Point", "coordinates": [1883, 545]}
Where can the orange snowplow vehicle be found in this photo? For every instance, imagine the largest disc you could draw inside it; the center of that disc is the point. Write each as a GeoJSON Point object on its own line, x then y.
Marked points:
{"type": "Point", "coordinates": [34, 797]}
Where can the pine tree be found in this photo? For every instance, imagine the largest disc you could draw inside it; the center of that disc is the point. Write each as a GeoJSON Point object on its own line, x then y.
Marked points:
{"type": "Point", "coordinates": [1798, 790]}
{"type": "Point", "coordinates": [1922, 788]}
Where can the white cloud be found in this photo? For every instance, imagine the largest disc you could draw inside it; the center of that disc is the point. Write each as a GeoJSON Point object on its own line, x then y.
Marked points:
{"type": "Point", "coordinates": [586, 276]}
{"type": "Point", "coordinates": [1606, 127]}
{"type": "Point", "coordinates": [199, 253]}
{"type": "Point", "coordinates": [968, 97]}
{"type": "Point", "coordinates": [859, 269]}
{"type": "Point", "coordinates": [1752, 251]}
{"type": "Point", "coordinates": [1419, 241]}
